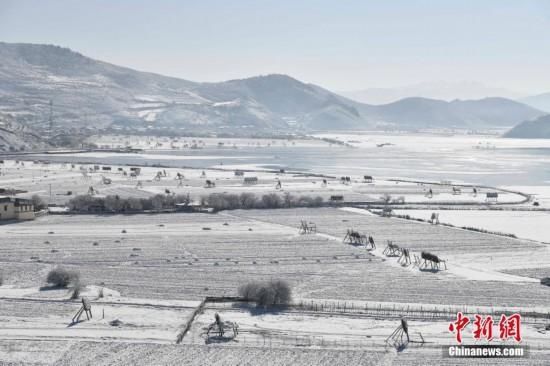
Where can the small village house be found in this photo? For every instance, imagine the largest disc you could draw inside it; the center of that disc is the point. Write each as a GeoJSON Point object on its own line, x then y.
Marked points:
{"type": "Point", "coordinates": [16, 208]}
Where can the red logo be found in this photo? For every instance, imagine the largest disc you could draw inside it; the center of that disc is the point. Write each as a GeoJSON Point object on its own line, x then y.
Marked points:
{"type": "Point", "coordinates": [509, 327]}
{"type": "Point", "coordinates": [457, 327]}
{"type": "Point", "coordinates": [483, 328]}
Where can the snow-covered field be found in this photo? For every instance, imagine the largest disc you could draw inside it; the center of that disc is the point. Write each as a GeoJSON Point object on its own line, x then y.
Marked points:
{"type": "Point", "coordinates": [153, 270]}
{"type": "Point", "coordinates": [171, 257]}
{"type": "Point", "coordinates": [53, 182]}
{"type": "Point", "coordinates": [166, 143]}
{"type": "Point", "coordinates": [523, 224]}
{"type": "Point", "coordinates": [316, 329]}
{"type": "Point", "coordinates": [46, 315]}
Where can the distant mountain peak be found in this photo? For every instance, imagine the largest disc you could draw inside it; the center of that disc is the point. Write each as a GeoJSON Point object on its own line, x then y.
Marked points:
{"type": "Point", "coordinates": [540, 101]}
{"type": "Point", "coordinates": [534, 129]}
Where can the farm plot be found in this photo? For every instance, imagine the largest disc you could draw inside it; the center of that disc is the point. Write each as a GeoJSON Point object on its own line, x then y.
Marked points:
{"type": "Point", "coordinates": [524, 224]}
{"type": "Point", "coordinates": [189, 256]}
{"type": "Point", "coordinates": [184, 257]}
{"type": "Point", "coordinates": [449, 242]}
{"type": "Point", "coordinates": [474, 258]}
{"type": "Point", "coordinates": [537, 273]}
{"type": "Point", "coordinates": [337, 330]}
{"type": "Point", "coordinates": [62, 352]}
{"type": "Point", "coordinates": [122, 322]}
{"type": "Point", "coordinates": [177, 260]}
{"type": "Point", "coordinates": [67, 353]}
{"type": "Point", "coordinates": [48, 313]}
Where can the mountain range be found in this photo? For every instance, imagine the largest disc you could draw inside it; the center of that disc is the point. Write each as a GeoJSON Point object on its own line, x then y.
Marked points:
{"type": "Point", "coordinates": [43, 85]}
{"type": "Point", "coordinates": [441, 90]}
{"type": "Point", "coordinates": [540, 101]}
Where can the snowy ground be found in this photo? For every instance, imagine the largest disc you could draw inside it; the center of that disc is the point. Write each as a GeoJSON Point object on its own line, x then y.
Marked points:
{"type": "Point", "coordinates": [154, 269]}
{"type": "Point", "coordinates": [316, 329]}
{"type": "Point", "coordinates": [130, 354]}
{"type": "Point", "coordinates": [167, 143]}
{"type": "Point", "coordinates": [523, 224]}
{"type": "Point", "coordinates": [48, 314]}
{"type": "Point", "coordinates": [171, 257]}
{"type": "Point", "coordinates": [54, 181]}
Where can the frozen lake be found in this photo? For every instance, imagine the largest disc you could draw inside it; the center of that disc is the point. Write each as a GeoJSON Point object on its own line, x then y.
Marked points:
{"type": "Point", "coordinates": [465, 158]}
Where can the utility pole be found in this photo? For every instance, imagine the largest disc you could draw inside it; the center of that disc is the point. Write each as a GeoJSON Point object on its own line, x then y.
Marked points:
{"type": "Point", "coordinates": [51, 117]}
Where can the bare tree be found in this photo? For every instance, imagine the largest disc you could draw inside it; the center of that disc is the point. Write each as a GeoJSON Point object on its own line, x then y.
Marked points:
{"type": "Point", "coordinates": [271, 200]}
{"type": "Point", "coordinates": [38, 202]}
{"type": "Point", "coordinates": [134, 204]}
{"type": "Point", "coordinates": [248, 200]}
{"type": "Point", "coordinates": [113, 203]}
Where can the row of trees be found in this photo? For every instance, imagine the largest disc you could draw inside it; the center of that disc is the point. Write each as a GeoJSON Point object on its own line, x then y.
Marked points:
{"type": "Point", "coordinates": [228, 201]}
{"type": "Point", "coordinates": [115, 203]}
{"type": "Point", "coordinates": [216, 201]}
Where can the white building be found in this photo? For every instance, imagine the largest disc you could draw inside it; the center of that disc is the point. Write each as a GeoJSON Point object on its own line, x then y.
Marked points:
{"type": "Point", "coordinates": [16, 208]}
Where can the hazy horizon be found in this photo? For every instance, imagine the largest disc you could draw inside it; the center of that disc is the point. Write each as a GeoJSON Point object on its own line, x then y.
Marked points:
{"type": "Point", "coordinates": [342, 47]}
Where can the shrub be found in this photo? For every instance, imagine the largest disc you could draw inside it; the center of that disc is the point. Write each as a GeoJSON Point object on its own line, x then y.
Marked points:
{"type": "Point", "coordinates": [275, 292]}
{"type": "Point", "coordinates": [62, 277]}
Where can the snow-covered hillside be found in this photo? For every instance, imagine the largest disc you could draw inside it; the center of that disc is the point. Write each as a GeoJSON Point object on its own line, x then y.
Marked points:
{"type": "Point", "coordinates": [42, 81]}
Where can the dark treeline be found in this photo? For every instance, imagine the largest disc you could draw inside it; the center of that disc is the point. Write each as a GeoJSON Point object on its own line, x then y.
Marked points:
{"type": "Point", "coordinates": [216, 201]}
{"type": "Point", "coordinates": [228, 201]}
{"type": "Point", "coordinates": [87, 203]}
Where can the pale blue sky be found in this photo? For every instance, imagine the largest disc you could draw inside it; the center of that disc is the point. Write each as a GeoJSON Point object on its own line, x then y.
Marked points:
{"type": "Point", "coordinates": [342, 45]}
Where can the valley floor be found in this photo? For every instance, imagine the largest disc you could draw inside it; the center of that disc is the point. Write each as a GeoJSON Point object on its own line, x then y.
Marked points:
{"type": "Point", "coordinates": [182, 258]}
{"type": "Point", "coordinates": [147, 275]}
